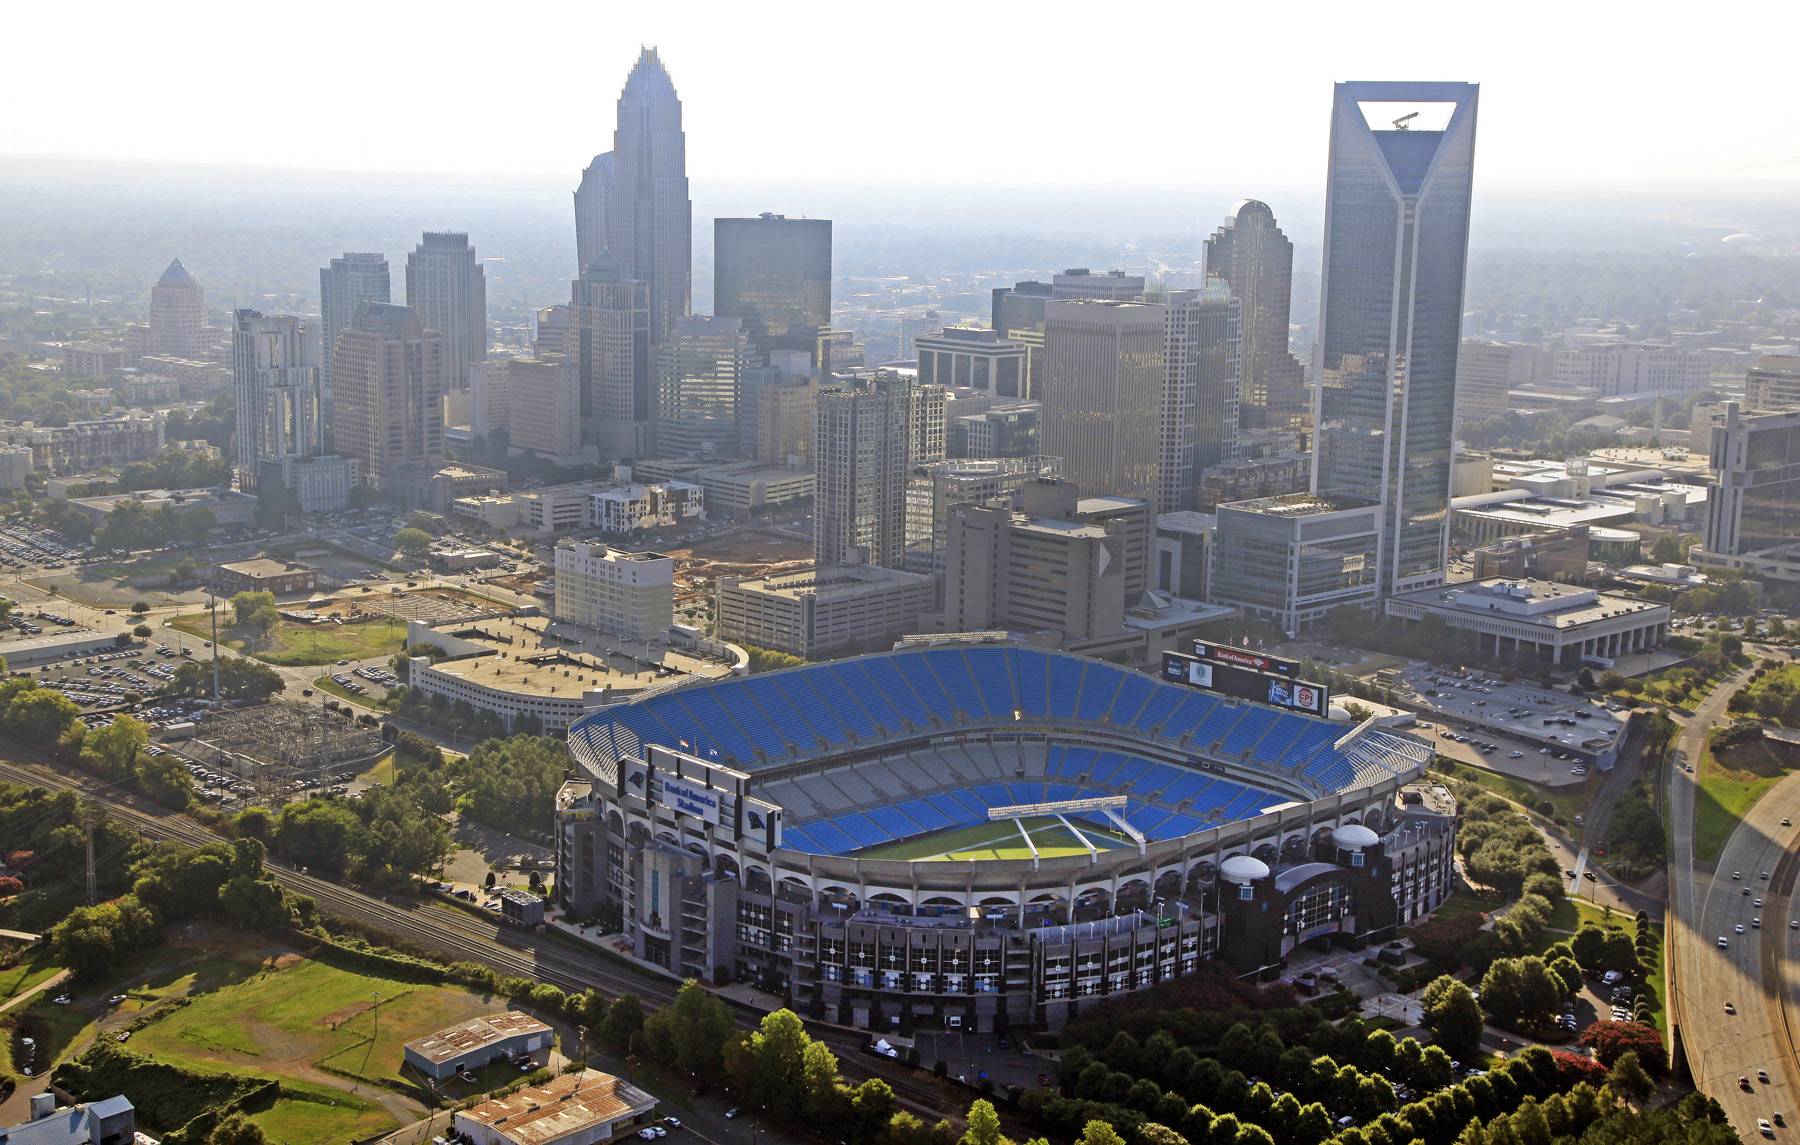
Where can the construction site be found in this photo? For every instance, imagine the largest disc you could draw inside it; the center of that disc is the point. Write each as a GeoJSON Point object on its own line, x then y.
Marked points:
{"type": "Point", "coordinates": [740, 553]}
{"type": "Point", "coordinates": [284, 748]}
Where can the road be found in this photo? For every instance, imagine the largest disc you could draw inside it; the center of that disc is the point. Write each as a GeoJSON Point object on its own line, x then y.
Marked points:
{"type": "Point", "coordinates": [461, 935]}
{"type": "Point", "coordinates": [1755, 972]}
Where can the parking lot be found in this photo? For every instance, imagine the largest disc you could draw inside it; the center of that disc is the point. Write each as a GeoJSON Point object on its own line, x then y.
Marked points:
{"type": "Point", "coordinates": [1544, 736]}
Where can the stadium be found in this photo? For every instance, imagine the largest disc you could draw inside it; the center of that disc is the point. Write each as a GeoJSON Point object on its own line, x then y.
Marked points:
{"type": "Point", "coordinates": [980, 836]}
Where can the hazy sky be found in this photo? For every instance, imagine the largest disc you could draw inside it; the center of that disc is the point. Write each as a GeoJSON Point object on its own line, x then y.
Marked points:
{"type": "Point", "coordinates": [1012, 94]}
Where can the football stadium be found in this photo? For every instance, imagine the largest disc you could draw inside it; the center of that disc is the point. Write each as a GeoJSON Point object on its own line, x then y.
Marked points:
{"type": "Point", "coordinates": [980, 836]}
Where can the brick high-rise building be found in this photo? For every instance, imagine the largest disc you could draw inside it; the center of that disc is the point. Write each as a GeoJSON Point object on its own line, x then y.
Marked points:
{"type": "Point", "coordinates": [390, 387]}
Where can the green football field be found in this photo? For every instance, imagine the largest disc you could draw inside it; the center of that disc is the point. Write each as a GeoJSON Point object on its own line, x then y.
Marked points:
{"type": "Point", "coordinates": [985, 841]}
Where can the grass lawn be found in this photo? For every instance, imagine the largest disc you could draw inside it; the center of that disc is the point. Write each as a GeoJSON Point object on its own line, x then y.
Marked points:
{"type": "Point", "coordinates": [29, 971]}
{"type": "Point", "coordinates": [296, 644]}
{"type": "Point", "coordinates": [154, 571]}
{"type": "Point", "coordinates": [383, 771]}
{"type": "Point", "coordinates": [988, 841]}
{"type": "Point", "coordinates": [1729, 787]}
{"type": "Point", "coordinates": [331, 1036]}
{"type": "Point", "coordinates": [1567, 802]}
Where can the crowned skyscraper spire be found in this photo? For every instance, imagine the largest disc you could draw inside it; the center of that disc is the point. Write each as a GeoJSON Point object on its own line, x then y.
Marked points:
{"type": "Point", "coordinates": [648, 216]}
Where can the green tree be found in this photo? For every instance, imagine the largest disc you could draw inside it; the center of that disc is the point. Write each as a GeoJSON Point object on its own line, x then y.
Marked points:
{"type": "Point", "coordinates": [139, 607]}
{"type": "Point", "coordinates": [1450, 1012]}
{"type": "Point", "coordinates": [701, 1023]}
{"type": "Point", "coordinates": [415, 543]}
{"type": "Point", "coordinates": [113, 750]}
{"type": "Point", "coordinates": [624, 1018]}
{"type": "Point", "coordinates": [1628, 1079]}
{"type": "Point", "coordinates": [1100, 1133]}
{"type": "Point", "coordinates": [236, 1130]}
{"type": "Point", "coordinates": [984, 1126]}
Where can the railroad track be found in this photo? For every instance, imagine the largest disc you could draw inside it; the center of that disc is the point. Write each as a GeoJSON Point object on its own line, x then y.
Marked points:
{"type": "Point", "coordinates": [462, 936]}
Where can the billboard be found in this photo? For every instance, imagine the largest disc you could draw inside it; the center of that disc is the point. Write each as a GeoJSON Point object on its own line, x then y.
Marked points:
{"type": "Point", "coordinates": [691, 799]}
{"type": "Point", "coordinates": [1246, 684]}
{"type": "Point", "coordinates": [1245, 658]}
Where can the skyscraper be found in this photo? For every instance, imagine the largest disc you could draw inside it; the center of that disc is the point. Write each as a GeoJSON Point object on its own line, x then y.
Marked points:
{"type": "Point", "coordinates": [347, 283]}
{"type": "Point", "coordinates": [608, 345]}
{"type": "Point", "coordinates": [649, 219]}
{"type": "Point", "coordinates": [1202, 367]}
{"type": "Point", "coordinates": [1018, 316]}
{"type": "Point", "coordinates": [1103, 394]}
{"type": "Point", "coordinates": [591, 199]}
{"type": "Point", "coordinates": [389, 372]}
{"type": "Point", "coordinates": [177, 313]}
{"type": "Point", "coordinates": [774, 273]}
{"type": "Point", "coordinates": [700, 372]}
{"type": "Point", "coordinates": [446, 286]}
{"type": "Point", "coordinates": [275, 372]}
{"type": "Point", "coordinates": [859, 462]}
{"type": "Point", "coordinates": [1396, 245]}
{"type": "Point", "coordinates": [1256, 261]}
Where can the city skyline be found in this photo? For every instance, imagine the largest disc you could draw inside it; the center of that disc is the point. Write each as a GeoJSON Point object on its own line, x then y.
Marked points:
{"type": "Point", "coordinates": [1276, 142]}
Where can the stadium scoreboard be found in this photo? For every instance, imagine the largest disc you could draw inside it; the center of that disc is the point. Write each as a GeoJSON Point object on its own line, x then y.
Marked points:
{"type": "Point", "coordinates": [1228, 678]}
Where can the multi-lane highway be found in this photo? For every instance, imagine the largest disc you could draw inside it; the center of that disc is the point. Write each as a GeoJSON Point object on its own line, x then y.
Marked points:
{"type": "Point", "coordinates": [1754, 972]}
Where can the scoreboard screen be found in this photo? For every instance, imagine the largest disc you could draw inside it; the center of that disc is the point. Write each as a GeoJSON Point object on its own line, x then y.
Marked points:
{"type": "Point", "coordinates": [1246, 684]}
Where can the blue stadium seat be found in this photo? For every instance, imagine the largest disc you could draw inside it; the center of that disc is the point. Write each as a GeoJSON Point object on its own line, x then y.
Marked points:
{"type": "Point", "coordinates": [1193, 709]}
{"type": "Point", "coordinates": [832, 838]}
{"type": "Point", "coordinates": [765, 692]}
{"type": "Point", "coordinates": [1130, 771]}
{"type": "Point", "coordinates": [1177, 825]}
{"type": "Point", "coordinates": [1146, 818]}
{"type": "Point", "coordinates": [1030, 669]}
{"type": "Point", "coordinates": [1134, 688]}
{"type": "Point", "coordinates": [992, 673]}
{"type": "Point", "coordinates": [1156, 709]}
{"type": "Point", "coordinates": [926, 685]}
{"type": "Point", "coordinates": [1065, 685]}
{"type": "Point", "coordinates": [952, 672]}
{"type": "Point", "coordinates": [885, 677]}
{"type": "Point", "coordinates": [834, 722]}
{"type": "Point", "coordinates": [974, 807]}
{"type": "Point", "coordinates": [891, 820]}
{"type": "Point", "coordinates": [1217, 725]}
{"type": "Point", "coordinates": [714, 727]}
{"type": "Point", "coordinates": [857, 684]}
{"type": "Point", "coordinates": [1098, 687]}
{"type": "Point", "coordinates": [1060, 792]}
{"type": "Point", "coordinates": [1254, 724]}
{"type": "Point", "coordinates": [926, 815]}
{"type": "Point", "coordinates": [861, 829]}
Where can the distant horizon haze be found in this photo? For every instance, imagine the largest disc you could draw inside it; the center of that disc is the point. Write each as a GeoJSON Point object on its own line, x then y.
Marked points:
{"type": "Point", "coordinates": [932, 94]}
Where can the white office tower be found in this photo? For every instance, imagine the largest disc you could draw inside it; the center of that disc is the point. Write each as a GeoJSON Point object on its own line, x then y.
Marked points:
{"type": "Point", "coordinates": [1396, 246]}
{"type": "Point", "coordinates": [177, 314]}
{"type": "Point", "coordinates": [446, 287]}
{"type": "Point", "coordinates": [275, 372]}
{"type": "Point", "coordinates": [860, 455]}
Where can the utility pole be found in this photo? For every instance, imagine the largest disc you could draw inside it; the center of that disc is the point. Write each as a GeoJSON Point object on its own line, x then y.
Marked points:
{"type": "Point", "coordinates": [212, 601]}
{"type": "Point", "coordinates": [89, 813]}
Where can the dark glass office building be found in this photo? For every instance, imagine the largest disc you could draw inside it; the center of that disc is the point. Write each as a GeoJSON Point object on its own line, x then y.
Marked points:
{"type": "Point", "coordinates": [774, 274]}
{"type": "Point", "coordinates": [1396, 245]}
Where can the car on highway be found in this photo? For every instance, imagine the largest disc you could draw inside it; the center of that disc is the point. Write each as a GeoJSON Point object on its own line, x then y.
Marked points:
{"type": "Point", "coordinates": [1757, 903]}
{"type": "Point", "coordinates": [1738, 929]}
{"type": "Point", "coordinates": [1756, 923]}
{"type": "Point", "coordinates": [1737, 876]}
{"type": "Point", "coordinates": [1762, 1075]}
{"type": "Point", "coordinates": [1724, 943]}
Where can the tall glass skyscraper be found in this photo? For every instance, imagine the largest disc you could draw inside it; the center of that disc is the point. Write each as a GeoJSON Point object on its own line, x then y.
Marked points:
{"type": "Point", "coordinates": [1256, 261]}
{"type": "Point", "coordinates": [774, 274]}
{"type": "Point", "coordinates": [649, 219]}
{"type": "Point", "coordinates": [1396, 246]}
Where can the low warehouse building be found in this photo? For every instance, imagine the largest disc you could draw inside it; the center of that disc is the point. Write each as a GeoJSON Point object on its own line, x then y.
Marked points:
{"type": "Point", "coordinates": [263, 574]}
{"type": "Point", "coordinates": [474, 1043]}
{"type": "Point", "coordinates": [573, 1109]}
